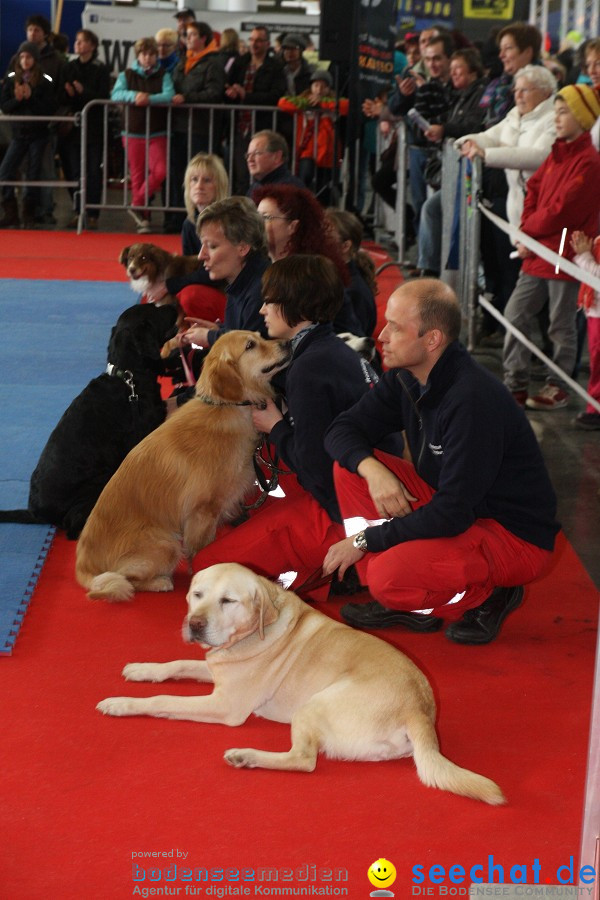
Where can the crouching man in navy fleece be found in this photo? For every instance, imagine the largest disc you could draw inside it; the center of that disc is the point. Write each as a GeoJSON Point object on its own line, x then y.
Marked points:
{"type": "Point", "coordinates": [472, 517]}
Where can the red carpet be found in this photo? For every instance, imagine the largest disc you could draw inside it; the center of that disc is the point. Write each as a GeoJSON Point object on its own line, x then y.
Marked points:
{"type": "Point", "coordinates": [85, 796]}
{"type": "Point", "coordinates": [60, 254]}
{"type": "Point", "coordinates": [83, 792]}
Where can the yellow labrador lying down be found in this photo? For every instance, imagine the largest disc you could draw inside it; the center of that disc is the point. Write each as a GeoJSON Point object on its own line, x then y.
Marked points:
{"type": "Point", "coordinates": [345, 693]}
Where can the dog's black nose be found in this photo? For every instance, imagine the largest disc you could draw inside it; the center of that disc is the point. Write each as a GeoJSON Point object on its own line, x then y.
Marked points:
{"type": "Point", "coordinates": [196, 625]}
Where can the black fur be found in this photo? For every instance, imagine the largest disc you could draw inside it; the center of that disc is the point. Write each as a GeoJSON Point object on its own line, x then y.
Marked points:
{"type": "Point", "coordinates": [101, 425]}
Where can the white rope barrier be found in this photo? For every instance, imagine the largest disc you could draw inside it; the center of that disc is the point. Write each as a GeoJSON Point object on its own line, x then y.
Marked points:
{"type": "Point", "coordinates": [558, 261]}
{"type": "Point", "coordinates": [549, 255]}
{"type": "Point", "coordinates": [530, 346]}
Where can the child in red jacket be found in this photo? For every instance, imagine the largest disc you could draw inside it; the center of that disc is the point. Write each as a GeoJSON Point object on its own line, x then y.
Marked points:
{"type": "Point", "coordinates": [587, 257]}
{"type": "Point", "coordinates": [315, 164]}
{"type": "Point", "coordinates": [562, 193]}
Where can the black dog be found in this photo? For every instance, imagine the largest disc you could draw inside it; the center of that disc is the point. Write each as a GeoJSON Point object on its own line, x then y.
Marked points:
{"type": "Point", "coordinates": [97, 431]}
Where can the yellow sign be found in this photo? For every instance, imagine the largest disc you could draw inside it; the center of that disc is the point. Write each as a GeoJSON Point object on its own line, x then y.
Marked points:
{"type": "Point", "coordinates": [489, 9]}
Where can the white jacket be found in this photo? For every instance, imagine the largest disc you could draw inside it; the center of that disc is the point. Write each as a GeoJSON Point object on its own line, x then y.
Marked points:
{"type": "Point", "coordinates": [518, 144]}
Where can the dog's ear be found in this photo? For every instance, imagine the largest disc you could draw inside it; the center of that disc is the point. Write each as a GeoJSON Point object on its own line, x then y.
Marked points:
{"type": "Point", "coordinates": [268, 612]}
{"type": "Point", "coordinates": [221, 378]}
{"type": "Point", "coordinates": [123, 255]}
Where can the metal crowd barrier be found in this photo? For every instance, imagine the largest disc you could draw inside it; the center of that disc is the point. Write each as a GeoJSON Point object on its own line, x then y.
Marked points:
{"type": "Point", "coordinates": [221, 136]}
{"type": "Point", "coordinates": [49, 120]}
{"type": "Point", "coordinates": [218, 130]}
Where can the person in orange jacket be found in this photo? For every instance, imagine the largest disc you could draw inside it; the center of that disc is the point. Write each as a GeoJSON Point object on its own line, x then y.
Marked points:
{"type": "Point", "coordinates": [315, 165]}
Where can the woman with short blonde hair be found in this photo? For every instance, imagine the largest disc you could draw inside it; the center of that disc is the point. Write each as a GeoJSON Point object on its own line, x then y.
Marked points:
{"type": "Point", "coordinates": [205, 182]}
{"type": "Point", "coordinates": [210, 167]}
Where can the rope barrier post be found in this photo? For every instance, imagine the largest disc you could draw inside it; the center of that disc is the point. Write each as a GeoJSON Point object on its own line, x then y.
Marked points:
{"type": "Point", "coordinates": [400, 213]}
{"type": "Point", "coordinates": [472, 220]}
{"type": "Point", "coordinates": [82, 192]}
{"type": "Point", "coordinates": [450, 176]}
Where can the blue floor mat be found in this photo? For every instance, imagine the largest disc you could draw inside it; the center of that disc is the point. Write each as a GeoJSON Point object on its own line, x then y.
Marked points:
{"type": "Point", "coordinates": [55, 339]}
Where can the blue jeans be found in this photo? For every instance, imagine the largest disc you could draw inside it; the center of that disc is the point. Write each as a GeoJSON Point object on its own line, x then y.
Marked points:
{"type": "Point", "coordinates": [18, 149]}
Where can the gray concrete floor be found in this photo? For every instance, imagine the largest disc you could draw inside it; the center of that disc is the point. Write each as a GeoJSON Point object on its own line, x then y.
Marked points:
{"type": "Point", "coordinates": [573, 460]}
{"type": "Point", "coordinates": [572, 456]}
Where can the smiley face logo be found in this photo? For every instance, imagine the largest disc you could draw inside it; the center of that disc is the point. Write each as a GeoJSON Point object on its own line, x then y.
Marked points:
{"type": "Point", "coordinates": [382, 873]}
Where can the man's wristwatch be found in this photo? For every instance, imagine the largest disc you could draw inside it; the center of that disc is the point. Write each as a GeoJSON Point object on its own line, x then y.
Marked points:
{"type": "Point", "coordinates": [360, 542]}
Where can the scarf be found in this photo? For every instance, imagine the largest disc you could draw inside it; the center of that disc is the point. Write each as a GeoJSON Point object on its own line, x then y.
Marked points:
{"type": "Point", "coordinates": [192, 59]}
{"type": "Point", "coordinates": [497, 100]}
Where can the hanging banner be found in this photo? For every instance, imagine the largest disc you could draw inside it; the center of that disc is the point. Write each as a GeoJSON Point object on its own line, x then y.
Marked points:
{"type": "Point", "coordinates": [409, 10]}
{"type": "Point", "coordinates": [376, 37]}
{"type": "Point", "coordinates": [489, 9]}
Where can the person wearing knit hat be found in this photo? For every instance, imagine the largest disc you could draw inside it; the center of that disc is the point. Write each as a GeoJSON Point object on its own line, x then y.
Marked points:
{"type": "Point", "coordinates": [560, 200]}
{"type": "Point", "coordinates": [26, 91]}
{"type": "Point", "coordinates": [322, 75]}
{"type": "Point", "coordinates": [583, 103]}
{"type": "Point", "coordinates": [315, 136]}
{"type": "Point", "coordinates": [31, 48]}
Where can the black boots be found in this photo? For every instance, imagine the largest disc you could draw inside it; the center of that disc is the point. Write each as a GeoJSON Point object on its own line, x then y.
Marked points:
{"type": "Point", "coordinates": [374, 615]}
{"type": "Point", "coordinates": [482, 624]}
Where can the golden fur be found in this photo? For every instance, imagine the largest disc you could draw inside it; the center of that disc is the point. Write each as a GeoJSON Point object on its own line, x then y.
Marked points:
{"type": "Point", "coordinates": [346, 693]}
{"type": "Point", "coordinates": [167, 497]}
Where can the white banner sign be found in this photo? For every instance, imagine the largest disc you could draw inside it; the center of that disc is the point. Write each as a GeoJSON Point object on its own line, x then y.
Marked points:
{"type": "Point", "coordinates": [119, 27]}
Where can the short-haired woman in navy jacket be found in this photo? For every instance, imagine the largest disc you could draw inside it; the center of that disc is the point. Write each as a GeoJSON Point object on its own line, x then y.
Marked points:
{"type": "Point", "coordinates": [301, 296]}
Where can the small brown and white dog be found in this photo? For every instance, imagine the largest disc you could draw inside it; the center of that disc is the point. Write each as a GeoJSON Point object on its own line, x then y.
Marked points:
{"type": "Point", "coordinates": [167, 497]}
{"type": "Point", "coordinates": [148, 268]}
{"type": "Point", "coordinates": [345, 693]}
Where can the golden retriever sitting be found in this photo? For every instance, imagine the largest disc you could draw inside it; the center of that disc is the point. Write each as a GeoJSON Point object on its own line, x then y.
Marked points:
{"type": "Point", "coordinates": [167, 497]}
{"type": "Point", "coordinates": [346, 693]}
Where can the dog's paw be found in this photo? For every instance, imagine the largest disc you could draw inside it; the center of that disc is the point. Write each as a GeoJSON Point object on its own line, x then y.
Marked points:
{"type": "Point", "coordinates": [240, 759]}
{"type": "Point", "coordinates": [116, 706]}
{"type": "Point", "coordinates": [143, 672]}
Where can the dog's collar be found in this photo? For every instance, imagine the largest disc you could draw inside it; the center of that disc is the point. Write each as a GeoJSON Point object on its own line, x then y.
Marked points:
{"type": "Point", "coordinates": [125, 375]}
{"type": "Point", "coordinates": [261, 404]}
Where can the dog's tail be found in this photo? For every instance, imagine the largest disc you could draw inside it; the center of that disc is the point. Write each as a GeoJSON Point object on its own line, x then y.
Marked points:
{"type": "Point", "coordinates": [110, 586]}
{"type": "Point", "coordinates": [435, 770]}
{"type": "Point", "coordinates": [22, 516]}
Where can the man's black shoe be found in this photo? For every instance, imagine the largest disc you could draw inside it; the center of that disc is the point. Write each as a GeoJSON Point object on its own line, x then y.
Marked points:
{"type": "Point", "coordinates": [482, 624]}
{"type": "Point", "coordinates": [374, 615]}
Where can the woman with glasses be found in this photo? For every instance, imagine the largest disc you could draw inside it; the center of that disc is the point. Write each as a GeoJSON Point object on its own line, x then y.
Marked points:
{"type": "Point", "coordinates": [295, 223]}
{"type": "Point", "coordinates": [288, 536]}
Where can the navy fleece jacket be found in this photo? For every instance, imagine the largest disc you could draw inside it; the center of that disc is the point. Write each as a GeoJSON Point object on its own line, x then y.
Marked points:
{"type": "Point", "coordinates": [324, 377]}
{"type": "Point", "coordinates": [468, 440]}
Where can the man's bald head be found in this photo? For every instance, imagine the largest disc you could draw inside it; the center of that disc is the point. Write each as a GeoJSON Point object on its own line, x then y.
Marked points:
{"type": "Point", "coordinates": [437, 304]}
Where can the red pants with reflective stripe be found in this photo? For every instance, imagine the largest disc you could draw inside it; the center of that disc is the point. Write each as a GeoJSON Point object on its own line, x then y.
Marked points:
{"type": "Point", "coordinates": [427, 574]}
{"type": "Point", "coordinates": [286, 534]}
